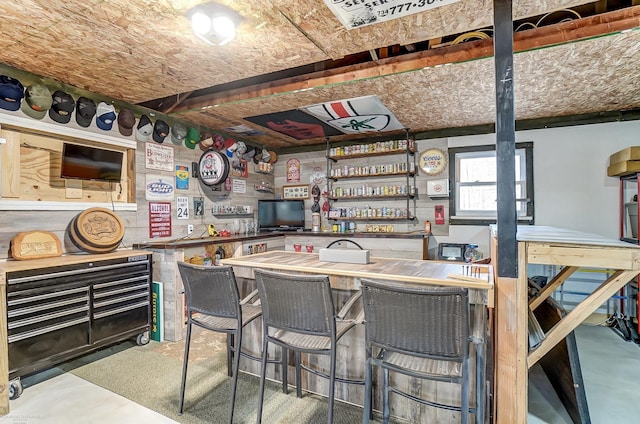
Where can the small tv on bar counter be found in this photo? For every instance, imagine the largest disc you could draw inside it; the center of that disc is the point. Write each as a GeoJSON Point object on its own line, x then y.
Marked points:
{"type": "Point", "coordinates": [280, 215]}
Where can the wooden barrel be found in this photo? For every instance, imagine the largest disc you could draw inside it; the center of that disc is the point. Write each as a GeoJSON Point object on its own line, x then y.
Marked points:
{"type": "Point", "coordinates": [96, 230]}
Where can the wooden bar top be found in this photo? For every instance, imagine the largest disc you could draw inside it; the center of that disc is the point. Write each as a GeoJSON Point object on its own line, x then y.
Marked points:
{"type": "Point", "coordinates": [199, 241]}
{"type": "Point", "coordinates": [390, 269]}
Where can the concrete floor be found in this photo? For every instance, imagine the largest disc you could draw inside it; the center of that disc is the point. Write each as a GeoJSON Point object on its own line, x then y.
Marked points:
{"type": "Point", "coordinates": [610, 368]}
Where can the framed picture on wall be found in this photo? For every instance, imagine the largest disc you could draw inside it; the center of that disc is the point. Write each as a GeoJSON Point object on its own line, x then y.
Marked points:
{"type": "Point", "coordinates": [300, 191]}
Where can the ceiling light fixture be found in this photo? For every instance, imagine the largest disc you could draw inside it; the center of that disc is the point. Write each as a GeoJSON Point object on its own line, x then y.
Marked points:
{"type": "Point", "coordinates": [214, 23]}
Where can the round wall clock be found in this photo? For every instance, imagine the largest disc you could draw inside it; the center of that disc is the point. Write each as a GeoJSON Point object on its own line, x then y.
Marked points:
{"type": "Point", "coordinates": [433, 161]}
{"type": "Point", "coordinates": [213, 168]}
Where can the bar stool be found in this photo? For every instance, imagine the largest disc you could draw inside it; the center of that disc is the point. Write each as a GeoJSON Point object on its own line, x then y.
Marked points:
{"type": "Point", "coordinates": [299, 314]}
{"type": "Point", "coordinates": [411, 328]}
{"type": "Point", "coordinates": [213, 303]}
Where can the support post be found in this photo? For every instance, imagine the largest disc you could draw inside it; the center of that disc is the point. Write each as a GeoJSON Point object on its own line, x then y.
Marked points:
{"type": "Point", "coordinates": [510, 333]}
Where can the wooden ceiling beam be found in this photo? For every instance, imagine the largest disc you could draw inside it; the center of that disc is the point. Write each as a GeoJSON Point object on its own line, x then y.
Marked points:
{"type": "Point", "coordinates": [562, 33]}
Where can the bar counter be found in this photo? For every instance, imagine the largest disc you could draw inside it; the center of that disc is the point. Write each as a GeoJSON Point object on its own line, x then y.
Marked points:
{"type": "Point", "coordinates": [440, 273]}
{"type": "Point", "coordinates": [345, 280]}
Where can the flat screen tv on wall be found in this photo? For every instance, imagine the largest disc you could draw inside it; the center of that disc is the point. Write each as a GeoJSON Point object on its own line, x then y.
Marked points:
{"type": "Point", "coordinates": [90, 163]}
{"type": "Point", "coordinates": [280, 215]}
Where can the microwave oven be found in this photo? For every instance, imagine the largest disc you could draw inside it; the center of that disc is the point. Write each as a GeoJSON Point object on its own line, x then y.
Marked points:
{"type": "Point", "coordinates": [451, 251]}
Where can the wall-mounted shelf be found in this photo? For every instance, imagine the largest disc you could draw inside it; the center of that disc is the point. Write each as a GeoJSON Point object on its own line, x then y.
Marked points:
{"type": "Point", "coordinates": [231, 210]}
{"type": "Point", "coordinates": [232, 215]}
{"type": "Point", "coordinates": [357, 198]}
{"type": "Point", "coordinates": [367, 170]}
{"type": "Point", "coordinates": [411, 150]}
{"type": "Point", "coordinates": [385, 174]}
{"type": "Point", "coordinates": [379, 218]}
{"type": "Point", "coordinates": [264, 189]}
{"type": "Point", "coordinates": [263, 169]}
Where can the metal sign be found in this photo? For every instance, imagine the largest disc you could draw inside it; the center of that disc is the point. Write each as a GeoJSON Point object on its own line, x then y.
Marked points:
{"type": "Point", "coordinates": [356, 115]}
{"type": "Point", "coordinates": [158, 157]}
{"type": "Point", "coordinates": [433, 161]}
{"type": "Point", "coordinates": [159, 219]}
{"type": "Point", "coordinates": [359, 13]}
{"type": "Point", "coordinates": [182, 207]}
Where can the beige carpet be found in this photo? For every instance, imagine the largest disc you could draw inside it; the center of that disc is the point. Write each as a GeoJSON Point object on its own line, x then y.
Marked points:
{"type": "Point", "coordinates": [150, 376]}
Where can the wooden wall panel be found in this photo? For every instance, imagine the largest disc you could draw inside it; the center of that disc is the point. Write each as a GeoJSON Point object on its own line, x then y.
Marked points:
{"type": "Point", "coordinates": [9, 164]}
{"type": "Point", "coordinates": [31, 164]}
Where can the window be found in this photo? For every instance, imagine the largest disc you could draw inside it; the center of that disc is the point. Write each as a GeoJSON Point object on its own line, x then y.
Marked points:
{"type": "Point", "coordinates": [473, 173]}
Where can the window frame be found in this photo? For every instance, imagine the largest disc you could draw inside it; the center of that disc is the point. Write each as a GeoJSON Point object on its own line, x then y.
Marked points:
{"type": "Point", "coordinates": [527, 219]}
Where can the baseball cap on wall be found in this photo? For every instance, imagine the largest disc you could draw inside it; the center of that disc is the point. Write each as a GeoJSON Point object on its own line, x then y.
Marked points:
{"type": "Point", "coordinates": [178, 133]}
{"type": "Point", "coordinates": [160, 131]}
{"type": "Point", "coordinates": [126, 121]}
{"type": "Point", "coordinates": [218, 142]}
{"type": "Point", "coordinates": [11, 93]}
{"type": "Point", "coordinates": [62, 107]}
{"type": "Point", "coordinates": [37, 101]}
{"type": "Point", "coordinates": [105, 116]}
{"type": "Point", "coordinates": [250, 153]}
{"type": "Point", "coordinates": [144, 128]}
{"type": "Point", "coordinates": [206, 141]}
{"type": "Point", "coordinates": [85, 110]}
{"type": "Point", "coordinates": [192, 138]}
{"type": "Point", "coordinates": [257, 156]}
{"type": "Point", "coordinates": [231, 146]}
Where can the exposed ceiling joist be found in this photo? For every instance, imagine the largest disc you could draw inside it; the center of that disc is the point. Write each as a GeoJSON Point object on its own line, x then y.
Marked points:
{"type": "Point", "coordinates": [537, 38]}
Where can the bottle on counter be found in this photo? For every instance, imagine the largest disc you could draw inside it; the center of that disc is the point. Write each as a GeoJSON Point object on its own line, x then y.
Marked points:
{"type": "Point", "coordinates": [472, 254]}
{"type": "Point", "coordinates": [427, 227]}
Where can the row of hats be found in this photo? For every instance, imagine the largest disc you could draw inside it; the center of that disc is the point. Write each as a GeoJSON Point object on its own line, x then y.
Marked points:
{"type": "Point", "coordinates": [36, 100]}
{"type": "Point", "coordinates": [236, 148]}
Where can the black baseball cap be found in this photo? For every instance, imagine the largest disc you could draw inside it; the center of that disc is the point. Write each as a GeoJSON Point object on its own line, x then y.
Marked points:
{"type": "Point", "coordinates": [144, 129]}
{"type": "Point", "coordinates": [126, 121]}
{"type": "Point", "coordinates": [62, 107]}
{"type": "Point", "coordinates": [160, 131]}
{"type": "Point", "coordinates": [11, 93]}
{"type": "Point", "coordinates": [257, 156]}
{"type": "Point", "coordinates": [85, 111]}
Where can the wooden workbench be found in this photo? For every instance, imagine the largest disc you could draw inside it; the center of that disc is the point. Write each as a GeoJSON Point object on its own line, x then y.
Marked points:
{"type": "Point", "coordinates": [345, 279]}
{"type": "Point", "coordinates": [549, 246]}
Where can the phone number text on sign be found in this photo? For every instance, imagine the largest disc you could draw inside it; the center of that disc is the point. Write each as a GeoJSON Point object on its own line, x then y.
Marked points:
{"type": "Point", "coordinates": [359, 13]}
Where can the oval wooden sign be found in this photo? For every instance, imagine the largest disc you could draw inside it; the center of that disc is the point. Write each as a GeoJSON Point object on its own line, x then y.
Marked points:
{"type": "Point", "coordinates": [97, 230]}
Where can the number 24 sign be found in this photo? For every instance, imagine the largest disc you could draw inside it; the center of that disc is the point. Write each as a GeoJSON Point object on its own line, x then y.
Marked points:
{"type": "Point", "coordinates": [182, 207]}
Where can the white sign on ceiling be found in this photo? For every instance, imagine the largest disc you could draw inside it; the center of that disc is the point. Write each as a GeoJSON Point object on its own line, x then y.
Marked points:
{"type": "Point", "coordinates": [356, 115]}
{"type": "Point", "coordinates": [359, 13]}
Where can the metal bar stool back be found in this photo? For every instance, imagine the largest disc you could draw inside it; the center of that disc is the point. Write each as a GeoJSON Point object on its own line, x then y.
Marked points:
{"type": "Point", "coordinates": [299, 314]}
{"type": "Point", "coordinates": [410, 326]}
{"type": "Point", "coordinates": [213, 303]}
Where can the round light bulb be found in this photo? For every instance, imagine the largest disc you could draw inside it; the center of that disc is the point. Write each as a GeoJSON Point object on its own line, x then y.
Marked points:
{"type": "Point", "coordinates": [224, 26]}
{"type": "Point", "coordinates": [200, 23]}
